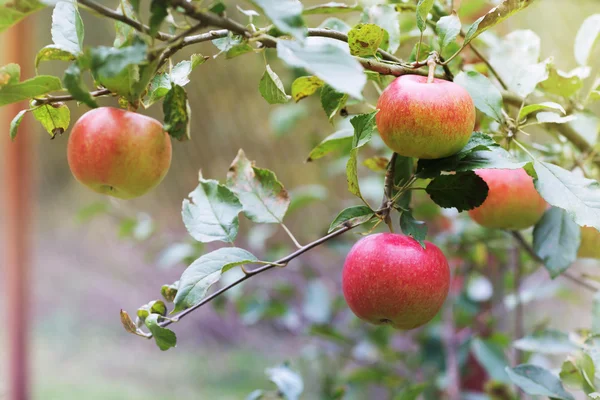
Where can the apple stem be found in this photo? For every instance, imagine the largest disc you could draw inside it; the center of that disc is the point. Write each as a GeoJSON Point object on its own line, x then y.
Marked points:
{"type": "Point", "coordinates": [431, 64]}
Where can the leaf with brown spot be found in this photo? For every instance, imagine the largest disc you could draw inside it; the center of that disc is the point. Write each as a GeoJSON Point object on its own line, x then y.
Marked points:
{"type": "Point", "coordinates": [263, 197]}
{"type": "Point", "coordinates": [128, 323]}
{"type": "Point", "coordinates": [496, 15]}
{"type": "Point", "coordinates": [376, 163]}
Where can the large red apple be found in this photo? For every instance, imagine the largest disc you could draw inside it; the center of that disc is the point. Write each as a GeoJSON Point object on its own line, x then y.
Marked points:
{"type": "Point", "coordinates": [512, 201]}
{"type": "Point", "coordinates": [118, 152]}
{"type": "Point", "coordinates": [425, 120]}
{"type": "Point", "coordinates": [590, 243]}
{"type": "Point", "coordinates": [391, 279]}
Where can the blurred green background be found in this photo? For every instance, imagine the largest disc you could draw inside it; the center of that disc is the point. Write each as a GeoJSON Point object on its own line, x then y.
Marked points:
{"type": "Point", "coordinates": [84, 273]}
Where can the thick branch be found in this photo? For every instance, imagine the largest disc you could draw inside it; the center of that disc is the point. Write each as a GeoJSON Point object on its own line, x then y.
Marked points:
{"type": "Point", "coordinates": [210, 19]}
{"type": "Point", "coordinates": [523, 243]}
{"type": "Point", "coordinates": [283, 261]}
{"type": "Point", "coordinates": [107, 12]}
{"type": "Point", "coordinates": [58, 99]}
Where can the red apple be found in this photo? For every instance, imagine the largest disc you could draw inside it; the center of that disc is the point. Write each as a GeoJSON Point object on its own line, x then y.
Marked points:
{"type": "Point", "coordinates": [425, 120]}
{"type": "Point", "coordinates": [118, 152]}
{"type": "Point", "coordinates": [391, 279]}
{"type": "Point", "coordinates": [590, 243]}
{"type": "Point", "coordinates": [512, 201]}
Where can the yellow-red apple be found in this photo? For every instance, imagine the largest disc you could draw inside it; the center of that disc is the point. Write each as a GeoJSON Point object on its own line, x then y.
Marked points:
{"type": "Point", "coordinates": [512, 201]}
{"type": "Point", "coordinates": [119, 153]}
{"type": "Point", "coordinates": [425, 120]}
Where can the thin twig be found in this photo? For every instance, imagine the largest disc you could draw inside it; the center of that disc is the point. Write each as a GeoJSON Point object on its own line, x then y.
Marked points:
{"type": "Point", "coordinates": [283, 261]}
{"type": "Point", "coordinates": [107, 12]}
{"type": "Point", "coordinates": [291, 235]}
{"type": "Point", "coordinates": [523, 243]}
{"type": "Point", "coordinates": [211, 19]}
{"type": "Point", "coordinates": [489, 65]}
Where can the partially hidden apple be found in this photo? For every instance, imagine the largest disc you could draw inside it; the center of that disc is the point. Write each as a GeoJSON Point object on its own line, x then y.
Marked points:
{"type": "Point", "coordinates": [390, 279]}
{"type": "Point", "coordinates": [119, 153]}
{"type": "Point", "coordinates": [425, 120]}
{"type": "Point", "coordinates": [512, 201]}
{"type": "Point", "coordinates": [590, 243]}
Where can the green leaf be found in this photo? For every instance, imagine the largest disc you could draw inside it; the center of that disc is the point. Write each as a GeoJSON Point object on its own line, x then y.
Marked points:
{"type": "Point", "coordinates": [67, 28]}
{"type": "Point", "coordinates": [553, 118]}
{"type": "Point", "coordinates": [305, 86]}
{"type": "Point", "coordinates": [264, 198]}
{"type": "Point", "coordinates": [232, 45]}
{"type": "Point", "coordinates": [286, 15]}
{"type": "Point", "coordinates": [411, 227]}
{"type": "Point", "coordinates": [386, 16]}
{"type": "Point", "coordinates": [496, 15]}
{"type": "Point", "coordinates": [464, 190]}
{"type": "Point", "coordinates": [9, 74]}
{"type": "Point", "coordinates": [492, 359]}
{"type": "Point", "coordinates": [364, 125]}
{"type": "Point", "coordinates": [14, 124]}
{"type": "Point", "coordinates": [271, 88]}
{"type": "Point", "coordinates": [74, 84]}
{"type": "Point", "coordinates": [288, 382]}
{"type": "Point", "coordinates": [486, 96]}
{"type": "Point", "coordinates": [448, 28]}
{"type": "Point", "coordinates": [586, 39]}
{"type": "Point", "coordinates": [212, 213]}
{"type": "Point", "coordinates": [180, 75]}
{"type": "Point", "coordinates": [365, 39]}
{"type": "Point", "coordinates": [537, 381]}
{"type": "Point", "coordinates": [153, 307]}
{"type": "Point", "coordinates": [355, 215]}
{"type": "Point", "coordinates": [317, 302]}
{"type": "Point", "coordinates": [352, 174]}
{"type": "Point", "coordinates": [525, 111]}
{"type": "Point", "coordinates": [332, 101]}
{"type": "Point", "coordinates": [578, 196]}
{"type": "Point", "coordinates": [55, 118]}
{"type": "Point", "coordinates": [109, 62]}
{"type": "Point", "coordinates": [423, 9]}
{"type": "Point", "coordinates": [218, 7]}
{"type": "Point", "coordinates": [51, 53]}
{"type": "Point", "coordinates": [570, 375]}
{"type": "Point", "coordinates": [165, 338]}
{"type": "Point", "coordinates": [125, 34]}
{"type": "Point", "coordinates": [481, 151]}
{"type": "Point", "coordinates": [556, 239]}
{"type": "Point", "coordinates": [332, 63]}
{"type": "Point", "coordinates": [285, 119]}
{"type": "Point", "coordinates": [403, 171]}
{"type": "Point", "coordinates": [25, 90]}
{"type": "Point", "coordinates": [158, 13]}
{"type": "Point", "coordinates": [564, 84]}
{"type": "Point", "coordinates": [546, 342]}
{"type": "Point", "coordinates": [12, 12]}
{"type": "Point", "coordinates": [206, 271]}
{"type": "Point", "coordinates": [168, 292]}
{"type": "Point", "coordinates": [176, 109]}
{"type": "Point", "coordinates": [338, 140]}
{"type": "Point", "coordinates": [331, 7]}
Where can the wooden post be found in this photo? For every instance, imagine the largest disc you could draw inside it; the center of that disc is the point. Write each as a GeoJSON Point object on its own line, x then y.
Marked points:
{"type": "Point", "coordinates": [17, 203]}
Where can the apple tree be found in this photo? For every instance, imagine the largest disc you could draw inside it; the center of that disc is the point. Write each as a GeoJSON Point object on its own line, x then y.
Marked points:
{"type": "Point", "coordinates": [476, 144]}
